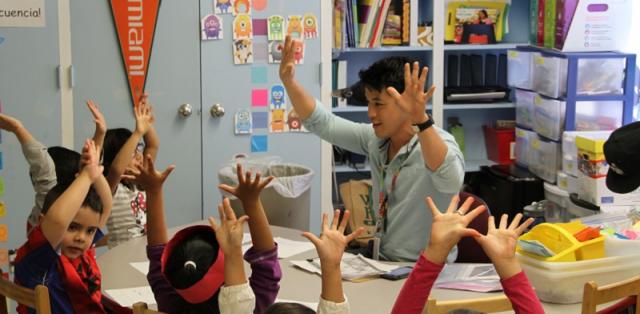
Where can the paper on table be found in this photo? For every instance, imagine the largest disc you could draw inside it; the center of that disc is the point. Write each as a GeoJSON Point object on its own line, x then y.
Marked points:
{"type": "Point", "coordinates": [311, 305]}
{"type": "Point", "coordinates": [353, 267]}
{"type": "Point", "coordinates": [288, 248]}
{"type": "Point", "coordinates": [128, 296]}
{"type": "Point", "coordinates": [472, 277]}
{"type": "Point", "coordinates": [142, 267]}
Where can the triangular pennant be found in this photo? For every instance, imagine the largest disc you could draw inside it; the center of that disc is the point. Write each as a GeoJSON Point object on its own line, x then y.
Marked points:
{"type": "Point", "coordinates": [135, 22]}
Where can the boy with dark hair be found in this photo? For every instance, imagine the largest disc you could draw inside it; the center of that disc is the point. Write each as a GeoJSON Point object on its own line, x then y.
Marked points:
{"type": "Point", "coordinates": [410, 157]}
{"type": "Point", "coordinates": [59, 252]}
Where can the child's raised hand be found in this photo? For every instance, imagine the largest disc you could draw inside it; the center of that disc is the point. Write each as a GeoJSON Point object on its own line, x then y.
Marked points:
{"type": "Point", "coordinates": [89, 162]}
{"type": "Point", "coordinates": [447, 229]}
{"type": "Point", "coordinates": [332, 242]}
{"type": "Point", "coordinates": [500, 243]}
{"type": "Point", "coordinates": [230, 232]}
{"type": "Point", "coordinates": [98, 117]}
{"type": "Point", "coordinates": [149, 178]}
{"type": "Point", "coordinates": [288, 63]}
{"type": "Point", "coordinates": [144, 116]}
{"type": "Point", "coordinates": [9, 123]}
{"type": "Point", "coordinates": [248, 190]}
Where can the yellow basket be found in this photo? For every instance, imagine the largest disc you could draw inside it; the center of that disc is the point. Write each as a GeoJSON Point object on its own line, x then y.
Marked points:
{"type": "Point", "coordinates": [559, 238]}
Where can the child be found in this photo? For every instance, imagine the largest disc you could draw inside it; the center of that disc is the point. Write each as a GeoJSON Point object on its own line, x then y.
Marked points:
{"type": "Point", "coordinates": [48, 167]}
{"type": "Point", "coordinates": [122, 152]}
{"type": "Point", "coordinates": [499, 244]}
{"type": "Point", "coordinates": [330, 247]}
{"type": "Point", "coordinates": [187, 273]}
{"type": "Point", "coordinates": [59, 252]}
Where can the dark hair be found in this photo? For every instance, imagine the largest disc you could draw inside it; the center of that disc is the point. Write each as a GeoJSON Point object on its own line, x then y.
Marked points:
{"type": "Point", "coordinates": [92, 200]}
{"type": "Point", "coordinates": [114, 139]}
{"type": "Point", "coordinates": [387, 72]}
{"type": "Point", "coordinates": [67, 163]}
{"type": "Point", "coordinates": [483, 11]}
{"type": "Point", "coordinates": [288, 308]}
{"type": "Point", "coordinates": [201, 248]}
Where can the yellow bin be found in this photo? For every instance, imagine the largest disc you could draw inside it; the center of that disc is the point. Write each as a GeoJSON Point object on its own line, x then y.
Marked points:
{"type": "Point", "coordinates": [558, 237]}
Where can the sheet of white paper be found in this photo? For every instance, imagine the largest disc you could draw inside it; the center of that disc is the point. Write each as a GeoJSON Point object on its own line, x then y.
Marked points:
{"type": "Point", "coordinates": [352, 266]}
{"type": "Point", "coordinates": [308, 266]}
{"type": "Point", "coordinates": [288, 248]}
{"type": "Point", "coordinates": [472, 277]}
{"type": "Point", "coordinates": [128, 296]}
{"type": "Point", "coordinates": [142, 267]}
{"type": "Point", "coordinates": [311, 305]}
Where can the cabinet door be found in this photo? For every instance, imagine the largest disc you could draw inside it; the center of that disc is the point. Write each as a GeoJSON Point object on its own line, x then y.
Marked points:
{"type": "Point", "coordinates": [29, 58]}
{"type": "Point", "coordinates": [173, 79]}
{"type": "Point", "coordinates": [231, 86]}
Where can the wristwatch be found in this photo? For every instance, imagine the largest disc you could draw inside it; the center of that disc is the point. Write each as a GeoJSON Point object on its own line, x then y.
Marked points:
{"type": "Point", "coordinates": [422, 126]}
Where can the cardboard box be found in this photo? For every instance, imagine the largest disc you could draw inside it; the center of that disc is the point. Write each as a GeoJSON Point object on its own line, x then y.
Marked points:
{"type": "Point", "coordinates": [595, 191]}
{"type": "Point", "coordinates": [591, 160]}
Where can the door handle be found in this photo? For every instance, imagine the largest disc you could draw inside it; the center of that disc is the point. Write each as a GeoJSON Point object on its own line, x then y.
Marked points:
{"type": "Point", "coordinates": [185, 110]}
{"type": "Point", "coordinates": [217, 111]}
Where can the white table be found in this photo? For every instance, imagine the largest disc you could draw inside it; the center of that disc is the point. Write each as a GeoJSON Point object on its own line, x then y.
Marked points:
{"type": "Point", "coordinates": [375, 296]}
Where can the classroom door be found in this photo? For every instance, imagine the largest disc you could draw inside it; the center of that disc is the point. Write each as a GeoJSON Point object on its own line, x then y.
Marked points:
{"type": "Point", "coordinates": [29, 91]}
{"type": "Point", "coordinates": [173, 79]}
{"type": "Point", "coordinates": [247, 87]}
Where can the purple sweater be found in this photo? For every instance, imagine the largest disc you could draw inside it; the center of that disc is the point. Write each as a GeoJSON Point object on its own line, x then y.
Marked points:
{"type": "Point", "coordinates": [264, 280]}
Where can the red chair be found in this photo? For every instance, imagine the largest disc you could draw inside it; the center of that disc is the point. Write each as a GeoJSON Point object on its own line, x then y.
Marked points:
{"type": "Point", "coordinates": [469, 251]}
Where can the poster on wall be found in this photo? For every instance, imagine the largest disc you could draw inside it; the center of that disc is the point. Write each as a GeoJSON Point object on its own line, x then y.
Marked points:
{"type": "Point", "coordinates": [22, 13]}
{"type": "Point", "coordinates": [135, 26]}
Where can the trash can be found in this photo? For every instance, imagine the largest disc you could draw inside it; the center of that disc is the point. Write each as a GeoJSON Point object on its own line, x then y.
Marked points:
{"type": "Point", "coordinates": [286, 200]}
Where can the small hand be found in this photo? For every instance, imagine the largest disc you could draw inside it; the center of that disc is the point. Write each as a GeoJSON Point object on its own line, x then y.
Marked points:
{"type": "Point", "coordinates": [332, 242]}
{"type": "Point", "coordinates": [413, 100]}
{"type": "Point", "coordinates": [288, 63]}
{"type": "Point", "coordinates": [247, 190]}
{"type": "Point", "coordinates": [98, 117]}
{"type": "Point", "coordinates": [89, 160]}
{"type": "Point", "coordinates": [9, 123]}
{"type": "Point", "coordinates": [230, 232]}
{"type": "Point", "coordinates": [144, 116]}
{"type": "Point", "coordinates": [151, 179]}
{"type": "Point", "coordinates": [500, 243]}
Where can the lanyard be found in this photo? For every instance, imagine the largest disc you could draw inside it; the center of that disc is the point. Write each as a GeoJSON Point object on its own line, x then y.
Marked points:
{"type": "Point", "coordinates": [383, 196]}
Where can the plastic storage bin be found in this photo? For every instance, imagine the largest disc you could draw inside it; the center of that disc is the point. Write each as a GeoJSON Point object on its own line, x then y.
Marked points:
{"type": "Point", "coordinates": [600, 76]}
{"type": "Point", "coordinates": [598, 115]}
{"type": "Point", "coordinates": [522, 151]}
{"type": "Point", "coordinates": [548, 117]}
{"type": "Point", "coordinates": [614, 246]}
{"type": "Point", "coordinates": [564, 282]}
{"type": "Point", "coordinates": [549, 75]}
{"type": "Point", "coordinates": [545, 158]}
{"type": "Point", "coordinates": [500, 144]}
{"type": "Point", "coordinates": [519, 69]}
{"type": "Point", "coordinates": [524, 108]}
{"type": "Point", "coordinates": [558, 237]}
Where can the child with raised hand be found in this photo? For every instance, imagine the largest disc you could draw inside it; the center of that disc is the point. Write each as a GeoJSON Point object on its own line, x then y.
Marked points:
{"type": "Point", "coordinates": [499, 244]}
{"type": "Point", "coordinates": [122, 154]}
{"type": "Point", "coordinates": [330, 247]}
{"type": "Point", "coordinates": [59, 252]}
{"type": "Point", "coordinates": [187, 273]}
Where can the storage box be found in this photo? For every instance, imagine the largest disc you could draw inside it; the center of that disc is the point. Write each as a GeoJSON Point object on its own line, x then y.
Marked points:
{"type": "Point", "coordinates": [549, 75]}
{"type": "Point", "coordinates": [522, 151]}
{"type": "Point", "coordinates": [597, 76]}
{"type": "Point", "coordinates": [545, 158]}
{"type": "Point", "coordinates": [564, 282]}
{"type": "Point", "coordinates": [598, 115]}
{"type": "Point", "coordinates": [500, 144]}
{"type": "Point", "coordinates": [524, 108]}
{"type": "Point", "coordinates": [558, 237]}
{"type": "Point", "coordinates": [570, 150]}
{"type": "Point", "coordinates": [614, 246]}
{"type": "Point", "coordinates": [519, 69]}
{"type": "Point", "coordinates": [548, 117]}
{"type": "Point", "coordinates": [591, 160]}
{"type": "Point", "coordinates": [595, 191]}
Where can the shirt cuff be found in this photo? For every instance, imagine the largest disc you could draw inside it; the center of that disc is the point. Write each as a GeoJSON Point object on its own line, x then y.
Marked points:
{"type": "Point", "coordinates": [329, 307]}
{"type": "Point", "coordinates": [515, 279]}
{"type": "Point", "coordinates": [236, 294]}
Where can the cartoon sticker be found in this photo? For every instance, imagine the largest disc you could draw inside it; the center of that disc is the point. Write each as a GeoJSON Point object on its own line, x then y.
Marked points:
{"type": "Point", "coordinates": [294, 122]}
{"type": "Point", "coordinates": [243, 122]}
{"type": "Point", "coordinates": [222, 6]}
{"type": "Point", "coordinates": [275, 51]}
{"type": "Point", "coordinates": [294, 26]}
{"type": "Point", "coordinates": [243, 51]}
{"type": "Point", "coordinates": [277, 97]}
{"type": "Point", "coordinates": [277, 120]}
{"type": "Point", "coordinates": [275, 27]}
{"type": "Point", "coordinates": [310, 25]}
{"type": "Point", "coordinates": [241, 7]}
{"type": "Point", "coordinates": [211, 27]}
{"type": "Point", "coordinates": [242, 27]}
{"type": "Point", "coordinates": [298, 53]}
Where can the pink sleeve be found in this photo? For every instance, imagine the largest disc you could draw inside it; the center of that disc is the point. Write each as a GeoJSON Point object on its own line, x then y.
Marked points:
{"type": "Point", "coordinates": [521, 294]}
{"type": "Point", "coordinates": [416, 289]}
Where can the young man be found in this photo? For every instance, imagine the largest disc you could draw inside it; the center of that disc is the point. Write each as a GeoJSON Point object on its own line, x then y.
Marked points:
{"type": "Point", "coordinates": [410, 157]}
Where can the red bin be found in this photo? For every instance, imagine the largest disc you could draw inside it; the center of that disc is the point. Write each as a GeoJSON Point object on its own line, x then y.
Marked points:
{"type": "Point", "coordinates": [500, 144]}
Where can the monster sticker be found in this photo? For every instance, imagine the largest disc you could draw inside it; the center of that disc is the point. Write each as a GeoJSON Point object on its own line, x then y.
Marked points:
{"type": "Point", "coordinates": [310, 26]}
{"type": "Point", "coordinates": [275, 27]}
{"type": "Point", "coordinates": [242, 27]}
{"type": "Point", "coordinates": [294, 122]}
{"type": "Point", "coordinates": [243, 51]}
{"type": "Point", "coordinates": [243, 123]}
{"type": "Point", "coordinates": [298, 53]}
{"type": "Point", "coordinates": [241, 7]}
{"type": "Point", "coordinates": [294, 26]}
{"type": "Point", "coordinates": [275, 51]}
{"type": "Point", "coordinates": [222, 6]}
{"type": "Point", "coordinates": [277, 97]}
{"type": "Point", "coordinates": [211, 27]}
{"type": "Point", "coordinates": [277, 120]}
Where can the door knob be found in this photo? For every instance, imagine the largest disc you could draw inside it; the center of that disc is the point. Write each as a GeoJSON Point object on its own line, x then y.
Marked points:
{"type": "Point", "coordinates": [185, 110]}
{"type": "Point", "coordinates": [217, 111]}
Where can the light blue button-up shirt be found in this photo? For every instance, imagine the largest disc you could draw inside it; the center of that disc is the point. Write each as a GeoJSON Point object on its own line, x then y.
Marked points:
{"type": "Point", "coordinates": [408, 223]}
